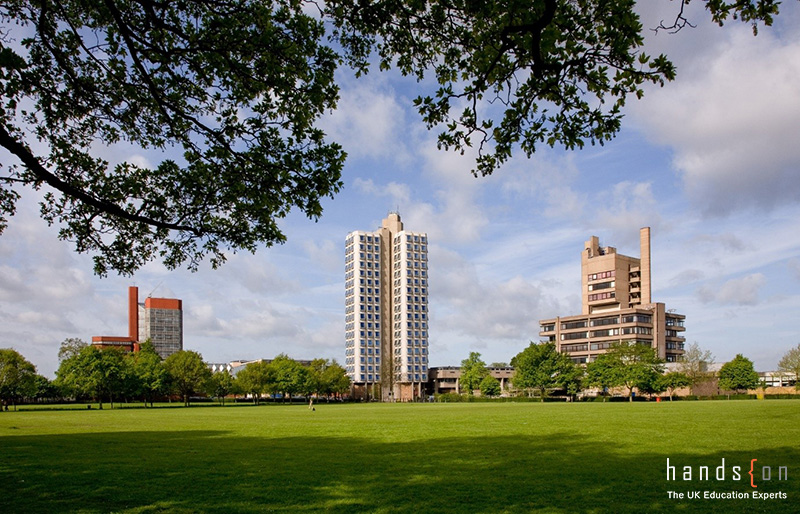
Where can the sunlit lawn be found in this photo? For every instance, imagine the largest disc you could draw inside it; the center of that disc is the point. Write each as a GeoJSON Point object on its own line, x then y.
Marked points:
{"type": "Point", "coordinates": [509, 457]}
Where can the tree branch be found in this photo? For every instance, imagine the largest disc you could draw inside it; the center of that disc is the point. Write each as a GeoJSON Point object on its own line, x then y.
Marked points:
{"type": "Point", "coordinates": [34, 166]}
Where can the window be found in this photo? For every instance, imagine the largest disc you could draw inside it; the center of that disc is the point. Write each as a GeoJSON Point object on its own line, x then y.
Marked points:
{"type": "Point", "coordinates": [602, 285]}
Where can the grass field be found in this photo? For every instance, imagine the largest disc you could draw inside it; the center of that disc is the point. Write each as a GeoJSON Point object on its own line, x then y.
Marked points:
{"type": "Point", "coordinates": [393, 458]}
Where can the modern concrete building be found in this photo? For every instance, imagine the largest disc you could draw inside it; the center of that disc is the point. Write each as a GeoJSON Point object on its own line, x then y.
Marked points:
{"type": "Point", "coordinates": [157, 319]}
{"type": "Point", "coordinates": [446, 379]}
{"type": "Point", "coordinates": [386, 310]}
{"type": "Point", "coordinates": [616, 306]}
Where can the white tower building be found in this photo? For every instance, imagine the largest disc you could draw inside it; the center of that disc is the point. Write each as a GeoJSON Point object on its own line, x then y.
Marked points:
{"type": "Point", "coordinates": [386, 311]}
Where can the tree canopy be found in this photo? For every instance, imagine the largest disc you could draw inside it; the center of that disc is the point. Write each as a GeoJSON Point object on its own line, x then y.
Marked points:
{"type": "Point", "coordinates": [188, 373]}
{"type": "Point", "coordinates": [17, 376]}
{"type": "Point", "coordinates": [226, 99]}
{"type": "Point", "coordinates": [490, 386]}
{"type": "Point", "coordinates": [473, 369]}
{"type": "Point", "coordinates": [540, 366]}
{"type": "Point", "coordinates": [627, 364]}
{"type": "Point", "coordinates": [790, 363]}
{"type": "Point", "coordinates": [93, 372]}
{"type": "Point", "coordinates": [674, 380]}
{"type": "Point", "coordinates": [738, 374]}
{"type": "Point", "coordinates": [232, 88]}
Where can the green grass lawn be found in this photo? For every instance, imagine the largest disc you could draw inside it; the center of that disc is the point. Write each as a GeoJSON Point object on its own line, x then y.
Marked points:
{"type": "Point", "coordinates": [393, 458]}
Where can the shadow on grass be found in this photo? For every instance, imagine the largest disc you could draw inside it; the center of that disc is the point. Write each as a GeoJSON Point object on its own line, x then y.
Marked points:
{"type": "Point", "coordinates": [215, 472]}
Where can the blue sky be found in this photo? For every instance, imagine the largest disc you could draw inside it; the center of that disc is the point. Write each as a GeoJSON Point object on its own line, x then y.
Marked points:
{"type": "Point", "coordinates": [711, 162]}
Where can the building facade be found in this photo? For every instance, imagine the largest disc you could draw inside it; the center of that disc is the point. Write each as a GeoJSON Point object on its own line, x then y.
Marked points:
{"type": "Point", "coordinates": [447, 379]}
{"type": "Point", "coordinates": [161, 321]}
{"type": "Point", "coordinates": [157, 319]}
{"type": "Point", "coordinates": [616, 306]}
{"type": "Point", "coordinates": [386, 310]}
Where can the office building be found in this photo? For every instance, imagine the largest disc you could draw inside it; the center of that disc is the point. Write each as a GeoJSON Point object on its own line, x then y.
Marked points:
{"type": "Point", "coordinates": [157, 319]}
{"type": "Point", "coordinates": [616, 306]}
{"type": "Point", "coordinates": [386, 311]}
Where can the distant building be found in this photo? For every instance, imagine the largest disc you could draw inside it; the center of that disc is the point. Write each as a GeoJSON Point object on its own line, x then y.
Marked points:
{"type": "Point", "coordinates": [616, 306]}
{"type": "Point", "coordinates": [157, 319]}
{"type": "Point", "coordinates": [234, 367]}
{"type": "Point", "coordinates": [386, 310]}
{"type": "Point", "coordinates": [446, 379]}
{"type": "Point", "coordinates": [161, 321]}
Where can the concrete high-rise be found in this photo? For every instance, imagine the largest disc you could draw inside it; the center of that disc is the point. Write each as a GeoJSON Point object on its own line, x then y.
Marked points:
{"type": "Point", "coordinates": [386, 310]}
{"type": "Point", "coordinates": [616, 306]}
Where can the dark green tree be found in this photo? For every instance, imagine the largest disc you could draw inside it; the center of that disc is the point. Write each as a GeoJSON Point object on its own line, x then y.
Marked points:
{"type": "Point", "coordinates": [45, 389]}
{"type": "Point", "coordinates": [489, 386]}
{"type": "Point", "coordinates": [222, 384]}
{"type": "Point", "coordinates": [605, 372]}
{"type": "Point", "coordinates": [325, 378]}
{"type": "Point", "coordinates": [152, 379]}
{"type": "Point", "coordinates": [473, 370]}
{"type": "Point", "coordinates": [674, 380]}
{"type": "Point", "coordinates": [738, 375]}
{"type": "Point", "coordinates": [289, 375]}
{"type": "Point", "coordinates": [17, 377]}
{"type": "Point", "coordinates": [336, 380]}
{"type": "Point", "coordinates": [255, 379]}
{"type": "Point", "coordinates": [95, 373]}
{"type": "Point", "coordinates": [188, 374]}
{"type": "Point", "coordinates": [237, 89]}
{"type": "Point", "coordinates": [790, 363]}
{"type": "Point", "coordinates": [541, 367]}
{"type": "Point", "coordinates": [639, 366]}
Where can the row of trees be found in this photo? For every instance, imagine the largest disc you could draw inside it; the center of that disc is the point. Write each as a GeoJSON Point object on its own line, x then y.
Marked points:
{"type": "Point", "coordinates": [86, 372]}
{"type": "Point", "coordinates": [540, 369]}
{"type": "Point", "coordinates": [286, 377]}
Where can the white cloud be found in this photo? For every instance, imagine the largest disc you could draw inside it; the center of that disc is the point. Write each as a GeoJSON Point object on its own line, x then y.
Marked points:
{"type": "Point", "coordinates": [470, 306]}
{"type": "Point", "coordinates": [325, 254]}
{"type": "Point", "coordinates": [733, 123]}
{"type": "Point", "coordinates": [368, 121]}
{"type": "Point", "coordinates": [626, 208]}
{"type": "Point", "coordinates": [739, 291]}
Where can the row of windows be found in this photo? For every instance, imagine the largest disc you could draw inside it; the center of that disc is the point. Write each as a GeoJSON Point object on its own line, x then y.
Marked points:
{"type": "Point", "coordinates": [351, 317]}
{"type": "Point", "coordinates": [606, 332]}
{"type": "Point", "coordinates": [604, 321]}
{"type": "Point", "coordinates": [416, 238]}
{"type": "Point", "coordinates": [601, 275]}
{"type": "Point", "coordinates": [637, 318]}
{"type": "Point", "coordinates": [637, 330]}
{"type": "Point", "coordinates": [601, 296]}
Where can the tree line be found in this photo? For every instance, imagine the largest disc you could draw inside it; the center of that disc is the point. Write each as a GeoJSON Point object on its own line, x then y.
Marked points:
{"type": "Point", "coordinates": [111, 375]}
{"type": "Point", "coordinates": [540, 370]}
